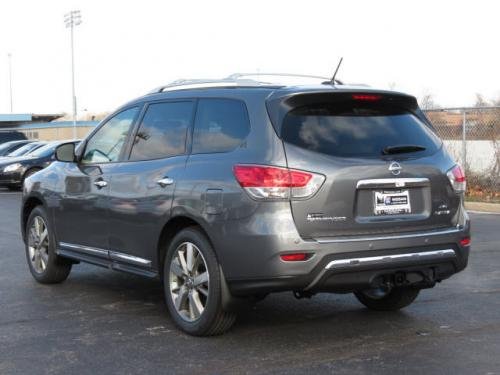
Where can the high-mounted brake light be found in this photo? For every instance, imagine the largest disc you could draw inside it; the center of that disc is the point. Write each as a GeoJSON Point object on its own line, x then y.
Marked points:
{"type": "Point", "coordinates": [271, 183]}
{"type": "Point", "coordinates": [366, 97]}
{"type": "Point", "coordinates": [457, 178]}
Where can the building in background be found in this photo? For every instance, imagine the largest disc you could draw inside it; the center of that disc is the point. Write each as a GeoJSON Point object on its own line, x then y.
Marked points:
{"type": "Point", "coordinates": [44, 126]}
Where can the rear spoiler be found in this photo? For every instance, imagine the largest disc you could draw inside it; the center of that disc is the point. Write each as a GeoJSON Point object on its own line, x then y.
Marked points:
{"type": "Point", "coordinates": [278, 107]}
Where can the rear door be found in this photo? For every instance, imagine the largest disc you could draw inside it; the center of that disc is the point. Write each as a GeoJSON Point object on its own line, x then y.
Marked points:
{"type": "Point", "coordinates": [142, 187]}
{"type": "Point", "coordinates": [385, 169]}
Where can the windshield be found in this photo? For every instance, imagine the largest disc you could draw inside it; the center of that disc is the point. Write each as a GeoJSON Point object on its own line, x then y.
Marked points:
{"type": "Point", "coordinates": [5, 146]}
{"type": "Point", "coordinates": [25, 149]}
{"type": "Point", "coordinates": [44, 151]}
{"type": "Point", "coordinates": [358, 131]}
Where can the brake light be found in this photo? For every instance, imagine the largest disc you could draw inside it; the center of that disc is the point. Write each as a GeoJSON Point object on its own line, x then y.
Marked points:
{"type": "Point", "coordinates": [465, 241]}
{"type": "Point", "coordinates": [264, 182]}
{"type": "Point", "coordinates": [457, 178]}
{"type": "Point", "coordinates": [295, 257]}
{"type": "Point", "coordinates": [366, 97]}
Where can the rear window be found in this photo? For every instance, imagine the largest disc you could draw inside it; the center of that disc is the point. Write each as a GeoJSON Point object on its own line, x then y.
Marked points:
{"type": "Point", "coordinates": [354, 130]}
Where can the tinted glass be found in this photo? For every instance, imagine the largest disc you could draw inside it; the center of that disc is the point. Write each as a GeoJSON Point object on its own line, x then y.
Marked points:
{"type": "Point", "coordinates": [26, 149]}
{"type": "Point", "coordinates": [44, 151]}
{"type": "Point", "coordinates": [5, 148]}
{"type": "Point", "coordinates": [221, 125]}
{"type": "Point", "coordinates": [107, 143]}
{"type": "Point", "coordinates": [349, 131]}
{"type": "Point", "coordinates": [163, 131]}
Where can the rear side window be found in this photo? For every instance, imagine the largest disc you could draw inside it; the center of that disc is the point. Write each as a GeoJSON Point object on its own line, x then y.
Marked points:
{"type": "Point", "coordinates": [353, 130]}
{"type": "Point", "coordinates": [221, 125]}
{"type": "Point", "coordinates": [163, 131]}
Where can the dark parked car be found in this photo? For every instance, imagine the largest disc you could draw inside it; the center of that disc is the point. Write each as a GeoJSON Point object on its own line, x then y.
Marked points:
{"type": "Point", "coordinates": [11, 135]}
{"type": "Point", "coordinates": [231, 190]}
{"type": "Point", "coordinates": [8, 147]}
{"type": "Point", "coordinates": [24, 150]}
{"type": "Point", "coordinates": [14, 170]}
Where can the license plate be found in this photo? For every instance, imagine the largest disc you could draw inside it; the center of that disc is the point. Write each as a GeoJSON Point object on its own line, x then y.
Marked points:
{"type": "Point", "coordinates": [393, 202]}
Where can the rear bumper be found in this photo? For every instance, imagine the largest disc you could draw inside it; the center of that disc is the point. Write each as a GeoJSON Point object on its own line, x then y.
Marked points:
{"type": "Point", "coordinates": [420, 260]}
{"type": "Point", "coordinates": [344, 275]}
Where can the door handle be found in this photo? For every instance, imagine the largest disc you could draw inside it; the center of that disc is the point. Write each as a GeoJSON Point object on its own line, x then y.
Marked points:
{"type": "Point", "coordinates": [100, 184]}
{"type": "Point", "coordinates": [165, 182]}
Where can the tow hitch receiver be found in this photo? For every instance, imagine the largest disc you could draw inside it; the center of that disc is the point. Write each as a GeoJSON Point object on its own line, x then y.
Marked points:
{"type": "Point", "coordinates": [422, 278]}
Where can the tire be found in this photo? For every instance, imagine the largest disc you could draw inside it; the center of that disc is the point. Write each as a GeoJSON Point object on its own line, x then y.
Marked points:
{"type": "Point", "coordinates": [44, 264]}
{"type": "Point", "coordinates": [194, 286]}
{"type": "Point", "coordinates": [392, 300]}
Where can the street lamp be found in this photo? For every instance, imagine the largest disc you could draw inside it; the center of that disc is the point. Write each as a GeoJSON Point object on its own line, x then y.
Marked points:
{"type": "Point", "coordinates": [71, 20]}
{"type": "Point", "coordinates": [10, 80]}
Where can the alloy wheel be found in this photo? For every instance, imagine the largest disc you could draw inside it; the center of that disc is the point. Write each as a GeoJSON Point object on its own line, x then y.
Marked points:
{"type": "Point", "coordinates": [38, 244]}
{"type": "Point", "coordinates": [189, 281]}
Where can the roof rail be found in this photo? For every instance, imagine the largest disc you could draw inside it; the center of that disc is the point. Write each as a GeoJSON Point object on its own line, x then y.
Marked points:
{"type": "Point", "coordinates": [240, 75]}
{"type": "Point", "coordinates": [184, 84]}
{"type": "Point", "coordinates": [234, 80]}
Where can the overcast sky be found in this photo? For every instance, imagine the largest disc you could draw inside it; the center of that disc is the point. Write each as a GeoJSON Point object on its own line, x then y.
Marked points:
{"type": "Point", "coordinates": [126, 48]}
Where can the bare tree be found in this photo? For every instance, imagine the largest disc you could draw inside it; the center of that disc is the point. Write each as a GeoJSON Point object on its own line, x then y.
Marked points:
{"type": "Point", "coordinates": [427, 101]}
{"type": "Point", "coordinates": [481, 101]}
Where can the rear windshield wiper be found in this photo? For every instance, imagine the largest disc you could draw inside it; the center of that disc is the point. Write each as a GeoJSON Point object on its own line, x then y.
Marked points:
{"type": "Point", "coordinates": [401, 149]}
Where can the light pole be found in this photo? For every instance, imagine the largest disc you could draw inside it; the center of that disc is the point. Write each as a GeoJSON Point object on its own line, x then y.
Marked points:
{"type": "Point", "coordinates": [10, 80]}
{"type": "Point", "coordinates": [71, 20]}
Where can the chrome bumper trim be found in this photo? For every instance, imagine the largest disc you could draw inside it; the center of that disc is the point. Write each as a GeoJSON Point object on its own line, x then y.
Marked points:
{"type": "Point", "coordinates": [389, 259]}
{"type": "Point", "coordinates": [392, 182]}
{"type": "Point", "coordinates": [390, 237]}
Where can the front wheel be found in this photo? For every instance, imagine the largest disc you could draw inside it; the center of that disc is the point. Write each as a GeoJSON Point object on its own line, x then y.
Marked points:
{"type": "Point", "coordinates": [387, 298]}
{"type": "Point", "coordinates": [45, 265]}
{"type": "Point", "coordinates": [193, 287]}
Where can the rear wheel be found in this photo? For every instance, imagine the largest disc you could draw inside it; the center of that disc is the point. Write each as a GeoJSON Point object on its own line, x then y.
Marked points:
{"type": "Point", "coordinates": [193, 288]}
{"type": "Point", "coordinates": [44, 264]}
{"type": "Point", "coordinates": [387, 298]}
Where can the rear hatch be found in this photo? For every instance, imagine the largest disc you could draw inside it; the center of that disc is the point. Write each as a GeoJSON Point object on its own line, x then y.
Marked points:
{"type": "Point", "coordinates": [385, 168]}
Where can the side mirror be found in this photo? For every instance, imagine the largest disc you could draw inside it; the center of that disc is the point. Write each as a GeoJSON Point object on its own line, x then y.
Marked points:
{"type": "Point", "coordinates": [66, 152]}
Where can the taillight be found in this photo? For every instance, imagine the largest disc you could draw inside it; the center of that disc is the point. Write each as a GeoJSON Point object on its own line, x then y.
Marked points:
{"type": "Point", "coordinates": [271, 183]}
{"type": "Point", "coordinates": [456, 176]}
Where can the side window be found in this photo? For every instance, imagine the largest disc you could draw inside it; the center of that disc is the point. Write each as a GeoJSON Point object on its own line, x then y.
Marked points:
{"type": "Point", "coordinates": [163, 131]}
{"type": "Point", "coordinates": [221, 125]}
{"type": "Point", "coordinates": [107, 143]}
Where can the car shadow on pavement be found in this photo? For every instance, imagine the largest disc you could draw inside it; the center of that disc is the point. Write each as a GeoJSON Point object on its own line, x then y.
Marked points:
{"type": "Point", "coordinates": [96, 292]}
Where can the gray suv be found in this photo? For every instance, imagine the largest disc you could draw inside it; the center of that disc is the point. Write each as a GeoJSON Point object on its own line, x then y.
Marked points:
{"type": "Point", "coordinates": [230, 190]}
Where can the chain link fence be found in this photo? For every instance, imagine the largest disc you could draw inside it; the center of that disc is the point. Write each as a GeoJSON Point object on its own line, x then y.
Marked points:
{"type": "Point", "coordinates": [472, 136]}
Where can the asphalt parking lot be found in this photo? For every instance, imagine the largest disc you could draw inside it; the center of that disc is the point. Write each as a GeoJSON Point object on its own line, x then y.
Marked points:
{"type": "Point", "coordinates": [101, 321]}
